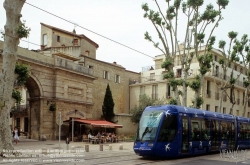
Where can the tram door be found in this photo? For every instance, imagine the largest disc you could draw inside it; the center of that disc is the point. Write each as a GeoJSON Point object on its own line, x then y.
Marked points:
{"type": "Point", "coordinates": [231, 144]}
{"type": "Point", "coordinates": [214, 135]}
{"type": "Point", "coordinates": [185, 142]}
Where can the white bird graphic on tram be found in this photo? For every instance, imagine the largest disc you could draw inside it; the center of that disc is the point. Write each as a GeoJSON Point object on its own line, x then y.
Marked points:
{"type": "Point", "coordinates": [167, 147]}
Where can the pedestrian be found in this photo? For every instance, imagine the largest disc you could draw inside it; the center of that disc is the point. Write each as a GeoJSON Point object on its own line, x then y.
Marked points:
{"type": "Point", "coordinates": [16, 137]}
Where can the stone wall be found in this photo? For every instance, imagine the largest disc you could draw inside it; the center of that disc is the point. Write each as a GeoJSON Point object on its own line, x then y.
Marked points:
{"type": "Point", "coordinates": [129, 128]}
{"type": "Point", "coordinates": [120, 91]}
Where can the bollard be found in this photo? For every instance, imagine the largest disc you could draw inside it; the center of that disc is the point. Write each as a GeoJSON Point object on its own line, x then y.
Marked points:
{"type": "Point", "coordinates": [73, 149]}
{"type": "Point", "coordinates": [87, 148]}
{"type": "Point", "coordinates": [121, 147]}
{"type": "Point", "coordinates": [44, 150]}
{"type": "Point", "coordinates": [67, 143]}
{"type": "Point", "coordinates": [101, 147]}
{"type": "Point", "coordinates": [110, 147]}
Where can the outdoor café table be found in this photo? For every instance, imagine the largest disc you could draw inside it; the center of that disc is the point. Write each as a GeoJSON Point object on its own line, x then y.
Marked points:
{"type": "Point", "coordinates": [94, 140]}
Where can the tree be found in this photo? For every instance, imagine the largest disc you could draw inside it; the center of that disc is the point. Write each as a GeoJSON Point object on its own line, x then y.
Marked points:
{"type": "Point", "coordinates": [229, 60]}
{"type": "Point", "coordinates": [242, 49]}
{"type": "Point", "coordinates": [108, 105]}
{"type": "Point", "coordinates": [143, 103]}
{"type": "Point", "coordinates": [166, 26]}
{"type": "Point", "coordinates": [14, 30]}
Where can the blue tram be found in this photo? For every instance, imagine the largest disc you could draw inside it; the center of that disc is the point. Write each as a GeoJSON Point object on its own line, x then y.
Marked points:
{"type": "Point", "coordinates": [171, 131]}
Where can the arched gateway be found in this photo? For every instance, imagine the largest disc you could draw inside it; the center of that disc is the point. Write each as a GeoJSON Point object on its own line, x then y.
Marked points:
{"type": "Point", "coordinates": [55, 85]}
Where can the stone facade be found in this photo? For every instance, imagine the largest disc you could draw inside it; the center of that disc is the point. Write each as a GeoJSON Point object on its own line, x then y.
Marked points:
{"type": "Point", "coordinates": [66, 77]}
{"type": "Point", "coordinates": [53, 83]}
{"type": "Point", "coordinates": [152, 77]}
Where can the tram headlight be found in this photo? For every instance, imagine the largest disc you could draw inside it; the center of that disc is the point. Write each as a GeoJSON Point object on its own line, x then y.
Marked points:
{"type": "Point", "coordinates": [135, 144]}
{"type": "Point", "coordinates": [150, 144]}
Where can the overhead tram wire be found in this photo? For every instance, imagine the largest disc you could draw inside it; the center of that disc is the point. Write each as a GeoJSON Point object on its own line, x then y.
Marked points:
{"type": "Point", "coordinates": [90, 31]}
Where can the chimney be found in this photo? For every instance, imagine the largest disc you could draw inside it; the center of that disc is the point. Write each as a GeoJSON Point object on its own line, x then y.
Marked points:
{"type": "Point", "coordinates": [74, 31]}
{"type": "Point", "coordinates": [114, 62]}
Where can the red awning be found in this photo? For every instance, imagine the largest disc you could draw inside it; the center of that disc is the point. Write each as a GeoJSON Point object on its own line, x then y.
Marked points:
{"type": "Point", "coordinates": [99, 123]}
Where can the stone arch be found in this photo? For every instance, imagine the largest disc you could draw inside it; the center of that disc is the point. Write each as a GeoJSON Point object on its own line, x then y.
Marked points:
{"type": "Point", "coordinates": [35, 106]}
{"type": "Point", "coordinates": [34, 87]}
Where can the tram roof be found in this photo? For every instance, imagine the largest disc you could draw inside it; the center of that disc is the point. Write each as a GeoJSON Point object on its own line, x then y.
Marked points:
{"type": "Point", "coordinates": [192, 112]}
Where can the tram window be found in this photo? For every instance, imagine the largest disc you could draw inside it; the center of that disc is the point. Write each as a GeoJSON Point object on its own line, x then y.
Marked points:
{"type": "Point", "coordinates": [205, 130]}
{"type": "Point", "coordinates": [248, 131]}
{"type": "Point", "coordinates": [168, 129]}
{"type": "Point", "coordinates": [224, 130]}
{"type": "Point", "coordinates": [195, 130]}
{"type": "Point", "coordinates": [243, 131]}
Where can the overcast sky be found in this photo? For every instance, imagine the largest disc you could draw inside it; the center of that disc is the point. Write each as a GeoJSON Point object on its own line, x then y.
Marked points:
{"type": "Point", "coordinates": [119, 20]}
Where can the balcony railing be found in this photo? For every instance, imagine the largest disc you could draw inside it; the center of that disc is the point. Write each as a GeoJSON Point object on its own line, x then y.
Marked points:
{"type": "Point", "coordinates": [224, 77]}
{"type": "Point", "coordinates": [151, 78]}
{"type": "Point", "coordinates": [62, 63]}
{"type": "Point", "coordinates": [148, 68]}
{"type": "Point", "coordinates": [133, 81]}
{"type": "Point", "coordinates": [20, 108]}
{"type": "Point", "coordinates": [68, 52]}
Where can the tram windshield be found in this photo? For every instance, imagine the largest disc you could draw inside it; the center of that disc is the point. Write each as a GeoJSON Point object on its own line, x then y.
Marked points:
{"type": "Point", "coordinates": [148, 125]}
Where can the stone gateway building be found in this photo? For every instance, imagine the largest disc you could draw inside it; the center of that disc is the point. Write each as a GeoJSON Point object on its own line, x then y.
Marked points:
{"type": "Point", "coordinates": [66, 77]}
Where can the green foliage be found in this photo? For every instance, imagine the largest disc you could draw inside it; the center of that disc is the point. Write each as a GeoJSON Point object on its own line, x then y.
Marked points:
{"type": "Point", "coordinates": [210, 13]}
{"type": "Point", "coordinates": [222, 3]}
{"type": "Point", "coordinates": [246, 83]}
{"type": "Point", "coordinates": [221, 61]}
{"type": "Point", "coordinates": [168, 75]}
{"type": "Point", "coordinates": [248, 57]}
{"type": "Point", "coordinates": [180, 93]}
{"type": "Point", "coordinates": [52, 107]}
{"type": "Point", "coordinates": [167, 64]}
{"type": "Point", "coordinates": [232, 81]}
{"type": "Point", "coordinates": [174, 83]}
{"type": "Point", "coordinates": [144, 101]}
{"type": "Point", "coordinates": [108, 105]}
{"type": "Point", "coordinates": [222, 44]}
{"type": "Point", "coordinates": [17, 96]}
{"type": "Point", "coordinates": [173, 101]}
{"type": "Point", "coordinates": [199, 102]}
{"type": "Point", "coordinates": [200, 37]}
{"type": "Point", "coordinates": [23, 72]}
{"type": "Point", "coordinates": [195, 3]}
{"type": "Point", "coordinates": [232, 35]}
{"type": "Point", "coordinates": [22, 30]}
{"type": "Point", "coordinates": [205, 63]}
{"type": "Point", "coordinates": [195, 85]}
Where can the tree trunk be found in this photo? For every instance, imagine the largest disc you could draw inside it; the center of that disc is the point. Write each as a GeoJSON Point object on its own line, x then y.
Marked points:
{"type": "Point", "coordinates": [245, 102]}
{"type": "Point", "coordinates": [7, 77]}
{"type": "Point", "coordinates": [184, 89]}
{"type": "Point", "coordinates": [221, 97]}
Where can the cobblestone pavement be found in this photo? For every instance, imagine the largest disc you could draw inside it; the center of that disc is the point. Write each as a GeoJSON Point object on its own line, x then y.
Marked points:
{"type": "Point", "coordinates": [47, 152]}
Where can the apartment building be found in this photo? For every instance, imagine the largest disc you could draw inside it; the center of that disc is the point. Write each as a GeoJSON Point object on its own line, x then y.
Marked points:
{"type": "Point", "coordinates": [152, 84]}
